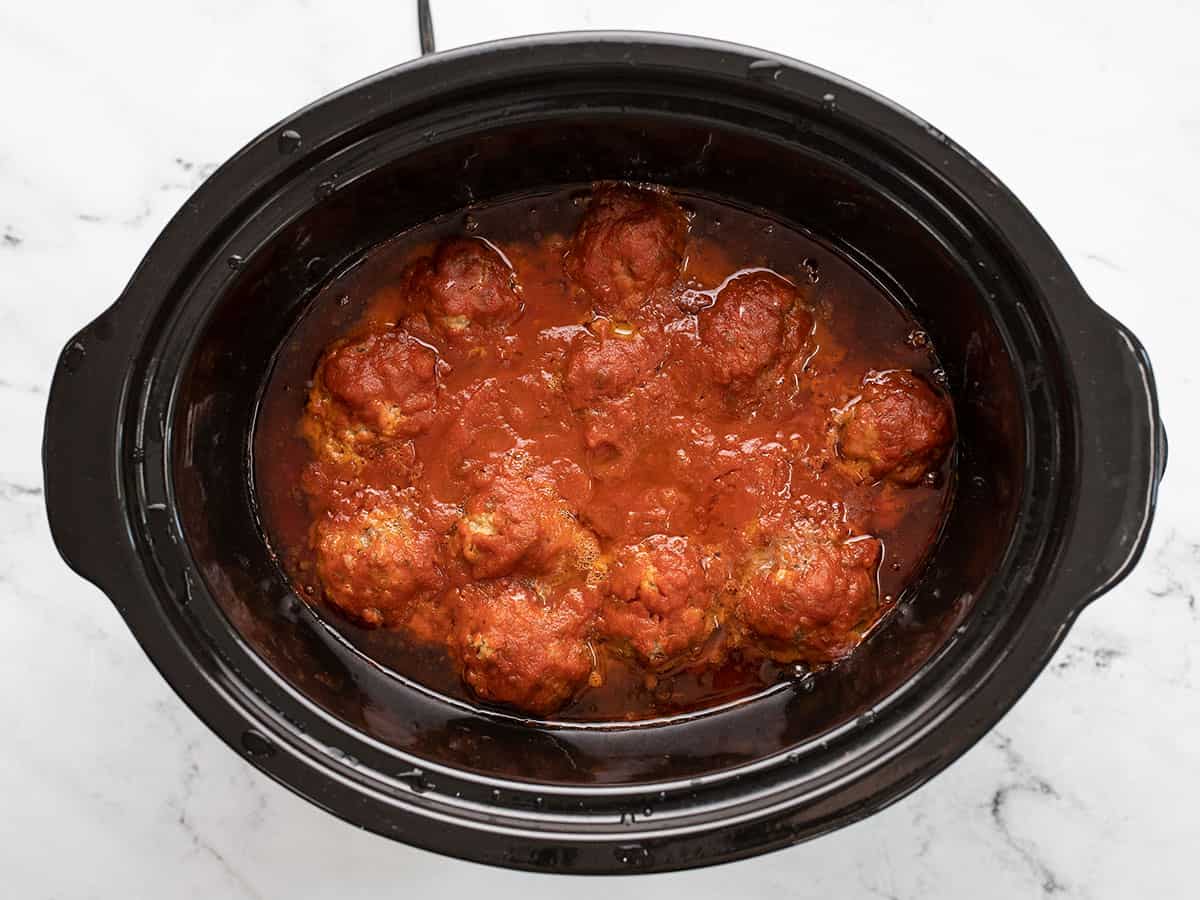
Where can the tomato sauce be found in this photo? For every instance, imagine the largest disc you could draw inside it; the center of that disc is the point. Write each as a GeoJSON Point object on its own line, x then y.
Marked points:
{"type": "Point", "coordinates": [604, 453]}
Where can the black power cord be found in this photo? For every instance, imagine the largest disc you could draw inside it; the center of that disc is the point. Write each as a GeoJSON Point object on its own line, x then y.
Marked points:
{"type": "Point", "coordinates": [425, 27]}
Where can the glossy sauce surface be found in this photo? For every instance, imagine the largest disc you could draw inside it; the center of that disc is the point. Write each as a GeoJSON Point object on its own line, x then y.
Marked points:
{"type": "Point", "coordinates": [632, 485]}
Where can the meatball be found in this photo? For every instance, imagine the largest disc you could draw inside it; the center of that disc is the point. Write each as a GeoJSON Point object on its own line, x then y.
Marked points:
{"type": "Point", "coordinates": [613, 429]}
{"type": "Point", "coordinates": [466, 288]}
{"type": "Point", "coordinates": [630, 244]}
{"type": "Point", "coordinates": [753, 481]}
{"type": "Point", "coordinates": [608, 365]}
{"type": "Point", "coordinates": [747, 329]}
{"type": "Point", "coordinates": [616, 431]}
{"type": "Point", "coordinates": [898, 429]}
{"type": "Point", "coordinates": [513, 524]}
{"type": "Point", "coordinates": [520, 648]}
{"type": "Point", "coordinates": [622, 434]}
{"type": "Point", "coordinates": [809, 593]}
{"type": "Point", "coordinates": [383, 384]}
{"type": "Point", "coordinates": [661, 600]}
{"type": "Point", "coordinates": [375, 561]}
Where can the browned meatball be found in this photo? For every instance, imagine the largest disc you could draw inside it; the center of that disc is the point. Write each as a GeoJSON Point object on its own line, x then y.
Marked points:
{"type": "Point", "coordinates": [662, 599]}
{"type": "Point", "coordinates": [617, 432]}
{"type": "Point", "coordinates": [520, 648]}
{"type": "Point", "coordinates": [756, 316]}
{"type": "Point", "coordinates": [898, 430]}
{"type": "Point", "coordinates": [753, 481]}
{"type": "Point", "coordinates": [374, 561]}
{"type": "Point", "coordinates": [384, 383]}
{"type": "Point", "coordinates": [466, 288]}
{"type": "Point", "coordinates": [809, 593]}
{"type": "Point", "coordinates": [514, 524]}
{"type": "Point", "coordinates": [629, 245]}
{"type": "Point", "coordinates": [607, 365]}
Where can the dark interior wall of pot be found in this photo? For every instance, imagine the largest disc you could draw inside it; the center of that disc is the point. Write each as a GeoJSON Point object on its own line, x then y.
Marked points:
{"type": "Point", "coordinates": [804, 170]}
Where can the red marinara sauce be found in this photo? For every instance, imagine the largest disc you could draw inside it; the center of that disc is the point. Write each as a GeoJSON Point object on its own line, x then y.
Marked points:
{"type": "Point", "coordinates": [606, 453]}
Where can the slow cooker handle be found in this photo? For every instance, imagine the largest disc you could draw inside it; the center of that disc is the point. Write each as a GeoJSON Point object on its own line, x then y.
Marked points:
{"type": "Point", "coordinates": [81, 449]}
{"type": "Point", "coordinates": [1122, 456]}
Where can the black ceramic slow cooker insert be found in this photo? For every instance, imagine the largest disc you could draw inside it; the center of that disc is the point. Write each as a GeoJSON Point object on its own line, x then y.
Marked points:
{"type": "Point", "coordinates": [152, 410]}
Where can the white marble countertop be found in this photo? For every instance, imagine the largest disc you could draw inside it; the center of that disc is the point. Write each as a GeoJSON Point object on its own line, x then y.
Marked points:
{"type": "Point", "coordinates": [111, 113]}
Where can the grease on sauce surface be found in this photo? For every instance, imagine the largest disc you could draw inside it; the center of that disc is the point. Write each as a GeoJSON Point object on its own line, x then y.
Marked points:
{"type": "Point", "coordinates": [604, 454]}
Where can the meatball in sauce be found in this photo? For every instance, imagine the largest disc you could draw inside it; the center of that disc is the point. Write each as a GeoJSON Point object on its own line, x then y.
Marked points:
{"type": "Point", "coordinates": [381, 385]}
{"type": "Point", "coordinates": [375, 560]}
{"type": "Point", "coordinates": [757, 318]}
{"type": "Point", "coordinates": [897, 428]}
{"type": "Point", "coordinates": [608, 454]}
{"type": "Point", "coordinates": [662, 599]}
{"type": "Point", "coordinates": [466, 289]}
{"type": "Point", "coordinates": [630, 245]}
{"type": "Point", "coordinates": [523, 647]}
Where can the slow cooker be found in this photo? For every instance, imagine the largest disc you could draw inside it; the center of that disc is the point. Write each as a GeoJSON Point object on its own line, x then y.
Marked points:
{"type": "Point", "coordinates": [151, 418]}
